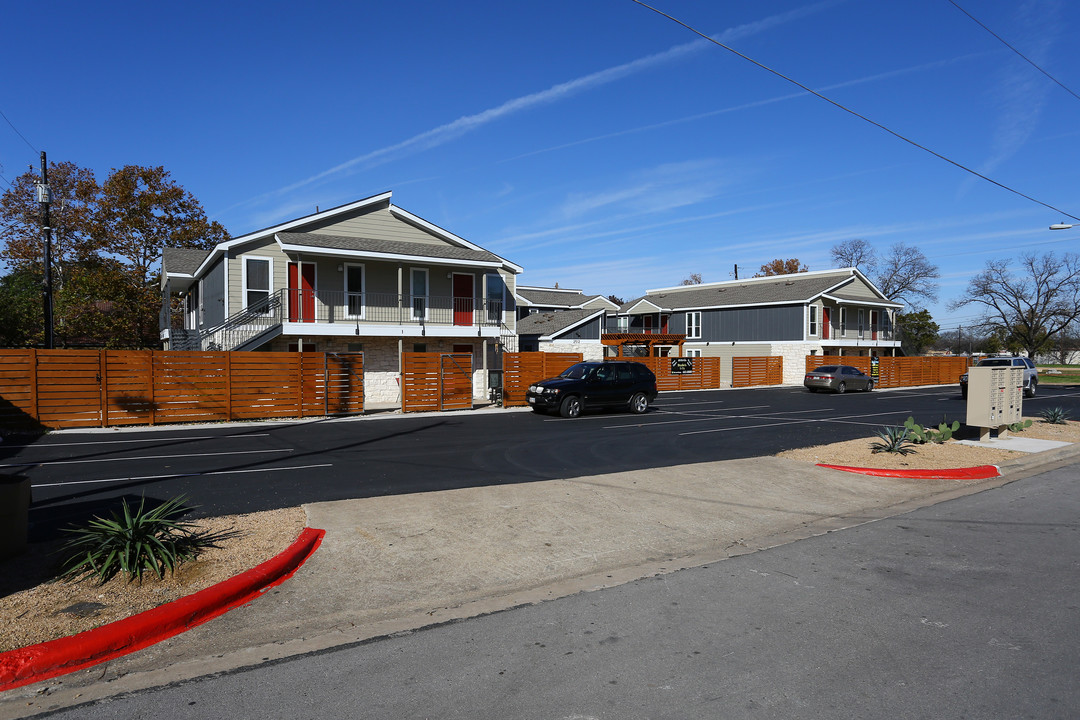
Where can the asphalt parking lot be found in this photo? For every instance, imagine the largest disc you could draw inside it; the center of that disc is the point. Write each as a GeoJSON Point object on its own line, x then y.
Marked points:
{"type": "Point", "coordinates": [235, 468]}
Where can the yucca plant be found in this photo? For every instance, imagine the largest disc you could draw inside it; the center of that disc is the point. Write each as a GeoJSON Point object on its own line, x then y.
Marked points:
{"type": "Point", "coordinates": [1055, 416]}
{"type": "Point", "coordinates": [134, 542]}
{"type": "Point", "coordinates": [893, 440]}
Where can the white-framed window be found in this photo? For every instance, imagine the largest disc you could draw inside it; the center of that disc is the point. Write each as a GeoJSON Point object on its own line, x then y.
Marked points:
{"type": "Point", "coordinates": [693, 325]}
{"type": "Point", "coordinates": [354, 281]}
{"type": "Point", "coordinates": [418, 289]}
{"type": "Point", "coordinates": [862, 317]}
{"type": "Point", "coordinates": [693, 352]}
{"type": "Point", "coordinates": [622, 323]}
{"type": "Point", "coordinates": [843, 322]}
{"type": "Point", "coordinates": [813, 320]}
{"type": "Point", "coordinates": [257, 281]}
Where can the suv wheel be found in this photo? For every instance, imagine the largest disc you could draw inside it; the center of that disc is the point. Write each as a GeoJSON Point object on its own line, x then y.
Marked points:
{"type": "Point", "coordinates": [639, 403]}
{"type": "Point", "coordinates": [1029, 391]}
{"type": "Point", "coordinates": [571, 407]}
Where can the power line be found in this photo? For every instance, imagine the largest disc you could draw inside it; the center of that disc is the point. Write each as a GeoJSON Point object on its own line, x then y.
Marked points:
{"type": "Point", "coordinates": [852, 112]}
{"type": "Point", "coordinates": [1006, 44]}
{"type": "Point", "coordinates": [17, 132]}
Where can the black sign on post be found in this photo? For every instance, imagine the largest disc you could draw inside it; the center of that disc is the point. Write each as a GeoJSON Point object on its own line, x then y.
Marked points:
{"type": "Point", "coordinates": [874, 370]}
{"type": "Point", "coordinates": [682, 365]}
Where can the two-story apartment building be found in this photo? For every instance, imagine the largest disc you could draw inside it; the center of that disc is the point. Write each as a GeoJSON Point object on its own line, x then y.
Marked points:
{"type": "Point", "coordinates": [533, 299]}
{"type": "Point", "coordinates": [827, 312]}
{"type": "Point", "coordinates": [363, 277]}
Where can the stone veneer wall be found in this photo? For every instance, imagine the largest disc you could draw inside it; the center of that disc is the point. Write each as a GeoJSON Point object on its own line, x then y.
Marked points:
{"type": "Point", "coordinates": [590, 351]}
{"type": "Point", "coordinates": [794, 355]}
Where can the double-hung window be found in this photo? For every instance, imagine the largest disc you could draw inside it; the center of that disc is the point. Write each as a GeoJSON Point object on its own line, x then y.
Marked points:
{"type": "Point", "coordinates": [693, 325]}
{"type": "Point", "coordinates": [813, 320]}
{"type": "Point", "coordinates": [354, 290]}
{"type": "Point", "coordinates": [257, 274]}
{"type": "Point", "coordinates": [862, 317]}
{"type": "Point", "coordinates": [843, 322]}
{"type": "Point", "coordinates": [495, 298]}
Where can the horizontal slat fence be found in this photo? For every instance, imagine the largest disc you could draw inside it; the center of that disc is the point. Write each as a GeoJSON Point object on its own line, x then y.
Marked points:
{"type": "Point", "coordinates": [748, 371]}
{"type": "Point", "coordinates": [706, 374]}
{"type": "Point", "coordinates": [901, 371]}
{"type": "Point", "coordinates": [104, 388]}
{"type": "Point", "coordinates": [432, 381]}
{"type": "Point", "coordinates": [522, 369]}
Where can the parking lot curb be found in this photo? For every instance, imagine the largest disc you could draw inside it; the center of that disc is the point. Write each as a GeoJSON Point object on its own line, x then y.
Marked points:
{"type": "Point", "coordinates": [64, 655]}
{"type": "Point", "coordinates": [979, 472]}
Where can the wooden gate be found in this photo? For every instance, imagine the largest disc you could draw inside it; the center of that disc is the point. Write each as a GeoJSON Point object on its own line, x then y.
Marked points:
{"type": "Point", "coordinates": [521, 369]}
{"type": "Point", "coordinates": [747, 371]}
{"type": "Point", "coordinates": [432, 381]}
{"type": "Point", "coordinates": [344, 381]}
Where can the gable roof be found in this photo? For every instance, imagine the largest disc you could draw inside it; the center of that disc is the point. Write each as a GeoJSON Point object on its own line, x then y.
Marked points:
{"type": "Point", "coordinates": [337, 244]}
{"type": "Point", "coordinates": [772, 290]}
{"type": "Point", "coordinates": [358, 207]}
{"type": "Point", "coordinates": [550, 324]}
{"type": "Point", "coordinates": [556, 297]}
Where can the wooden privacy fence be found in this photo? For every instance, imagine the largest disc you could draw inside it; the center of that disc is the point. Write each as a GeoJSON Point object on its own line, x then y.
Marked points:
{"type": "Point", "coordinates": [103, 388]}
{"type": "Point", "coordinates": [436, 381]}
{"type": "Point", "coordinates": [706, 373]}
{"type": "Point", "coordinates": [901, 371]}
{"type": "Point", "coordinates": [521, 369]}
{"type": "Point", "coordinates": [747, 371]}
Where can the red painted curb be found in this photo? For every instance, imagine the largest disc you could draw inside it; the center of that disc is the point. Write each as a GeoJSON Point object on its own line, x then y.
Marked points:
{"type": "Point", "coordinates": [979, 472]}
{"type": "Point", "coordinates": [63, 655]}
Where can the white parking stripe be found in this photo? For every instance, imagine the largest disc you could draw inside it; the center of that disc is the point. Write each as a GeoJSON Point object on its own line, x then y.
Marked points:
{"type": "Point", "coordinates": [118, 442]}
{"type": "Point", "coordinates": [180, 475]}
{"type": "Point", "coordinates": [144, 457]}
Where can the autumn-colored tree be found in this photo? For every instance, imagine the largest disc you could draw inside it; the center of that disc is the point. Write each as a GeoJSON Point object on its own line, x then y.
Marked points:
{"type": "Point", "coordinates": [74, 199]}
{"type": "Point", "coordinates": [143, 210]}
{"type": "Point", "coordinates": [781, 267]}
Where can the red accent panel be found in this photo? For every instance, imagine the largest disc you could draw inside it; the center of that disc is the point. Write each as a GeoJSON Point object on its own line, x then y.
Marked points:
{"type": "Point", "coordinates": [979, 472]}
{"type": "Point", "coordinates": [463, 300]}
{"type": "Point", "coordinates": [58, 657]}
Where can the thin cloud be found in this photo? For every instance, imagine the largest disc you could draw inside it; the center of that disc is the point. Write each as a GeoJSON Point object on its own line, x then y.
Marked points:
{"type": "Point", "coordinates": [466, 124]}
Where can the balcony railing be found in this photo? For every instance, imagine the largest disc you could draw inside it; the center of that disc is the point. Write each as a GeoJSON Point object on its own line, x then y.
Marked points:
{"type": "Point", "coordinates": [345, 308]}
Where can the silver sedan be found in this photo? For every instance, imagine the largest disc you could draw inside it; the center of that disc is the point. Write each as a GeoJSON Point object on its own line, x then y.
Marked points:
{"type": "Point", "coordinates": [838, 378]}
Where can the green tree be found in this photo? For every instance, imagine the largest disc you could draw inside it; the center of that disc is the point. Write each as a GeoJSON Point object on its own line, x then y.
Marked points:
{"type": "Point", "coordinates": [22, 317]}
{"type": "Point", "coordinates": [781, 267]}
{"type": "Point", "coordinates": [917, 331]}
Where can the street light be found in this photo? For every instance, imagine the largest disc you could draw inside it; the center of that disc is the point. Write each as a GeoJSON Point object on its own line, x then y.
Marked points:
{"type": "Point", "coordinates": [1061, 226]}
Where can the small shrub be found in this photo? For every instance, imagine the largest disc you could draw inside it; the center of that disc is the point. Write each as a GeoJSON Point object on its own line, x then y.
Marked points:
{"type": "Point", "coordinates": [1055, 416]}
{"type": "Point", "coordinates": [136, 542]}
{"type": "Point", "coordinates": [893, 440]}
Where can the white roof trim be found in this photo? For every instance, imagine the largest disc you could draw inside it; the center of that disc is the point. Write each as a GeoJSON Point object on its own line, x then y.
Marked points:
{"type": "Point", "coordinates": [447, 235]}
{"type": "Point", "coordinates": [549, 289]}
{"type": "Point", "coordinates": [767, 278]}
{"type": "Point", "coordinates": [630, 310]}
{"type": "Point", "coordinates": [852, 301]}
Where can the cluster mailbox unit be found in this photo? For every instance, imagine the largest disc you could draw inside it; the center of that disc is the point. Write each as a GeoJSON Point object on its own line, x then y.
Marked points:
{"type": "Point", "coordinates": [995, 397]}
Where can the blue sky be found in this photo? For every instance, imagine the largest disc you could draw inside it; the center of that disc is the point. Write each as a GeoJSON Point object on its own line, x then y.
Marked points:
{"type": "Point", "coordinates": [597, 144]}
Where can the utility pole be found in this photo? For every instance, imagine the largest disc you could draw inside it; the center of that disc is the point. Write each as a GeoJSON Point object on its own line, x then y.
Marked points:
{"type": "Point", "coordinates": [43, 197]}
{"type": "Point", "coordinates": [736, 271]}
{"type": "Point", "coordinates": [959, 341]}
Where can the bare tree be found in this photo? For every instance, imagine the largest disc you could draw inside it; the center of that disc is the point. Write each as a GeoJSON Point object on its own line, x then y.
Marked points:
{"type": "Point", "coordinates": [855, 253]}
{"type": "Point", "coordinates": [905, 275]}
{"type": "Point", "coordinates": [1031, 307]}
{"type": "Point", "coordinates": [694, 279]}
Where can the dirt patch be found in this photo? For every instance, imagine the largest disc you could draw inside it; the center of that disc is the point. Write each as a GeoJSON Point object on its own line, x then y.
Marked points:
{"type": "Point", "coordinates": [857, 453]}
{"type": "Point", "coordinates": [35, 607]}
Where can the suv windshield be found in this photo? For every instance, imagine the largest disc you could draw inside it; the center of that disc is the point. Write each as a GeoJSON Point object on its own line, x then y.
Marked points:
{"type": "Point", "coordinates": [996, 362]}
{"type": "Point", "coordinates": [578, 372]}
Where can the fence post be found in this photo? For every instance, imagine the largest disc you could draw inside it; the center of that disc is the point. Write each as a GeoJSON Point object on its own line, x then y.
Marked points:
{"type": "Point", "coordinates": [300, 382]}
{"type": "Point", "coordinates": [103, 383]}
{"type": "Point", "coordinates": [34, 385]}
{"type": "Point", "coordinates": [153, 385]}
{"type": "Point", "coordinates": [228, 386]}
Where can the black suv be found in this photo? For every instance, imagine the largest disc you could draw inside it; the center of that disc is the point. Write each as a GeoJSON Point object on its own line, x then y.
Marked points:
{"type": "Point", "coordinates": [595, 384]}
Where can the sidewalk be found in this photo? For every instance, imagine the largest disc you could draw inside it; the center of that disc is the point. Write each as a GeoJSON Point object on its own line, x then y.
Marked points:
{"type": "Point", "coordinates": [399, 563]}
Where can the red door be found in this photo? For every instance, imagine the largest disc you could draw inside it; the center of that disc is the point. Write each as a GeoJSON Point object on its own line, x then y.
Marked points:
{"type": "Point", "coordinates": [646, 322]}
{"type": "Point", "coordinates": [825, 323]}
{"type": "Point", "coordinates": [663, 325]}
{"type": "Point", "coordinates": [301, 292]}
{"type": "Point", "coordinates": [463, 299]}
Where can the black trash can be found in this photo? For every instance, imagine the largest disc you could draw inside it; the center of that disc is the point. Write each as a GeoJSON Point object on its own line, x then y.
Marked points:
{"type": "Point", "coordinates": [14, 514]}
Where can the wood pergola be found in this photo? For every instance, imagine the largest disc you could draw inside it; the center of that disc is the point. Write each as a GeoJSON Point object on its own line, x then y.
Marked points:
{"type": "Point", "coordinates": [649, 340]}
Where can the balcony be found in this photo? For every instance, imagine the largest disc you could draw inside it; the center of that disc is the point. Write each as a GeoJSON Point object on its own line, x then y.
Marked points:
{"type": "Point", "coordinates": [337, 312]}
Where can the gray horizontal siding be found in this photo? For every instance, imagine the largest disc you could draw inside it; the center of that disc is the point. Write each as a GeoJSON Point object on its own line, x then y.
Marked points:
{"type": "Point", "coordinates": [588, 331]}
